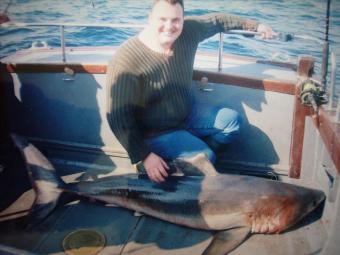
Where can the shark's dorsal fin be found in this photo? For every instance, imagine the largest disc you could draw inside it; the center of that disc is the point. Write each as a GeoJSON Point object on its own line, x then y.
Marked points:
{"type": "Point", "coordinates": [227, 240]}
{"type": "Point", "coordinates": [193, 166]}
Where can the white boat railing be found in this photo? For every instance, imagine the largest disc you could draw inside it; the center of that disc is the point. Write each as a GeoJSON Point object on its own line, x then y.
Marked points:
{"type": "Point", "coordinates": [62, 27]}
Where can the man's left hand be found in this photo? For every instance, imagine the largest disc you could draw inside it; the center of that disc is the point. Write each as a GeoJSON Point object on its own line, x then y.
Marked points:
{"type": "Point", "coordinates": [266, 31]}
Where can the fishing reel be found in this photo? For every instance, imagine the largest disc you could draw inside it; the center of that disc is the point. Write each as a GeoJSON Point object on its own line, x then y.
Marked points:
{"type": "Point", "coordinates": [312, 93]}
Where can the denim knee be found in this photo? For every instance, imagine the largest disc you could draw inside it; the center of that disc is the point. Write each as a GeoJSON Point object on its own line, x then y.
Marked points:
{"type": "Point", "coordinates": [228, 122]}
{"type": "Point", "coordinates": [179, 143]}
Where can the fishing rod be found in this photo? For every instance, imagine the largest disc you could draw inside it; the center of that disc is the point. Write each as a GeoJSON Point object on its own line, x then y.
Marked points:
{"type": "Point", "coordinates": [281, 36]}
{"type": "Point", "coordinates": [285, 37]}
{"type": "Point", "coordinates": [325, 49]}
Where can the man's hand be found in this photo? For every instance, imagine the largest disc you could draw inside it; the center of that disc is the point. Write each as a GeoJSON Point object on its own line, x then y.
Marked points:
{"type": "Point", "coordinates": [155, 167]}
{"type": "Point", "coordinates": [266, 31]}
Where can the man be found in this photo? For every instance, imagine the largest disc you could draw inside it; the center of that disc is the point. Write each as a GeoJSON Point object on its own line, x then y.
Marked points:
{"type": "Point", "coordinates": [151, 109]}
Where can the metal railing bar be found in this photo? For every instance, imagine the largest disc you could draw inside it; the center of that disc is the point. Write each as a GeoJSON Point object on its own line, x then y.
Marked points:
{"type": "Point", "coordinates": [62, 43]}
{"type": "Point", "coordinates": [102, 25]}
{"type": "Point", "coordinates": [332, 81]}
{"type": "Point", "coordinates": [220, 52]}
{"type": "Point", "coordinates": [337, 112]}
{"type": "Point", "coordinates": [72, 24]}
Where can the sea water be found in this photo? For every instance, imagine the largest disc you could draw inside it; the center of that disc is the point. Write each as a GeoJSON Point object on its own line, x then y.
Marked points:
{"type": "Point", "coordinates": [304, 19]}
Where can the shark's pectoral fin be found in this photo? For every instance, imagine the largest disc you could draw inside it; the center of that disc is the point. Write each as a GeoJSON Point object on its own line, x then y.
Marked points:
{"type": "Point", "coordinates": [227, 240]}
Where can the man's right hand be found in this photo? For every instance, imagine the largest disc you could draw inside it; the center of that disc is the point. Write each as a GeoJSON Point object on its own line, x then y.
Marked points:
{"type": "Point", "coordinates": [155, 167]}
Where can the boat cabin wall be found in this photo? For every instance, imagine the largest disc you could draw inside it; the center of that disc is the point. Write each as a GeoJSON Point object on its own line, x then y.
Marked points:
{"type": "Point", "coordinates": [264, 140]}
{"type": "Point", "coordinates": [65, 116]}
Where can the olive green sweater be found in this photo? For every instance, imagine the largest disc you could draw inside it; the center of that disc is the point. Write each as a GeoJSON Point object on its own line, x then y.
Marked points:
{"type": "Point", "coordinates": [149, 92]}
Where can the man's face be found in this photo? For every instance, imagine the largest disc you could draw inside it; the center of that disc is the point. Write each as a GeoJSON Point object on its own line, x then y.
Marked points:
{"type": "Point", "coordinates": [166, 21]}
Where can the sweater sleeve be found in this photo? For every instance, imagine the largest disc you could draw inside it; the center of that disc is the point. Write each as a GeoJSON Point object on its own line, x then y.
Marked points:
{"type": "Point", "coordinates": [210, 24]}
{"type": "Point", "coordinates": [123, 104]}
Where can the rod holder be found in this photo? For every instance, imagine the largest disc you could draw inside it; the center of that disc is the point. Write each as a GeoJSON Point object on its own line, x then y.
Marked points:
{"type": "Point", "coordinates": [62, 42]}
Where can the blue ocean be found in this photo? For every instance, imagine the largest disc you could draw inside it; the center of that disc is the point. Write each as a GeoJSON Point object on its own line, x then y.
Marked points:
{"type": "Point", "coordinates": [306, 20]}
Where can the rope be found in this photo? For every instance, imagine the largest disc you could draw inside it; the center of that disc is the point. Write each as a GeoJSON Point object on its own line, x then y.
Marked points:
{"type": "Point", "coordinates": [6, 9]}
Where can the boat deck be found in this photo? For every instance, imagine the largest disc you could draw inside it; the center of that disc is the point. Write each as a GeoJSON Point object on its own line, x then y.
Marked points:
{"type": "Point", "coordinates": [128, 233]}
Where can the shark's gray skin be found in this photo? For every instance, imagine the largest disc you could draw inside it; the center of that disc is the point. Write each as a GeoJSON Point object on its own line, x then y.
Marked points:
{"type": "Point", "coordinates": [232, 205]}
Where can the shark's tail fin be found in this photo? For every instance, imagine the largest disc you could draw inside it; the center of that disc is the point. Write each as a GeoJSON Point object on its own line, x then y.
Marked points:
{"type": "Point", "coordinates": [45, 182]}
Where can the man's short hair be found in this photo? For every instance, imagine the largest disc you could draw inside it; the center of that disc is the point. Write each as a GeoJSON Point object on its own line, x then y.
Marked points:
{"type": "Point", "coordinates": [173, 2]}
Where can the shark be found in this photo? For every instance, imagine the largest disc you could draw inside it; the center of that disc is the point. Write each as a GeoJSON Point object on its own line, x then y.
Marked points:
{"type": "Point", "coordinates": [232, 206]}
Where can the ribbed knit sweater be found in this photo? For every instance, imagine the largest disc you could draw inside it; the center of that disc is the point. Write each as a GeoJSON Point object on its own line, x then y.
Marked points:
{"type": "Point", "coordinates": [149, 92]}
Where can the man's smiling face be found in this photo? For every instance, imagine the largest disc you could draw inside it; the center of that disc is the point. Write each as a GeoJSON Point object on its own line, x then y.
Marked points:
{"type": "Point", "coordinates": [166, 21]}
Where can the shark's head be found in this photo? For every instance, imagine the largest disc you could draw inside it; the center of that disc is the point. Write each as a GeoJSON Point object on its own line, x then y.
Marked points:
{"type": "Point", "coordinates": [276, 213]}
{"type": "Point", "coordinates": [306, 201]}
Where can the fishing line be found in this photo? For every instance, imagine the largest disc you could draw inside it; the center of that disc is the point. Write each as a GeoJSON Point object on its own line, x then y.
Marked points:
{"type": "Point", "coordinates": [3, 17]}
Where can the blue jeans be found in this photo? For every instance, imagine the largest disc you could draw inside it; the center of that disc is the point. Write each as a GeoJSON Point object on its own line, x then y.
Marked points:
{"type": "Point", "coordinates": [220, 125]}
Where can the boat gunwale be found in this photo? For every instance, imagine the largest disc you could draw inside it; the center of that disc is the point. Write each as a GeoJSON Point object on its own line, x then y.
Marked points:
{"type": "Point", "coordinates": [329, 131]}
{"type": "Point", "coordinates": [273, 85]}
